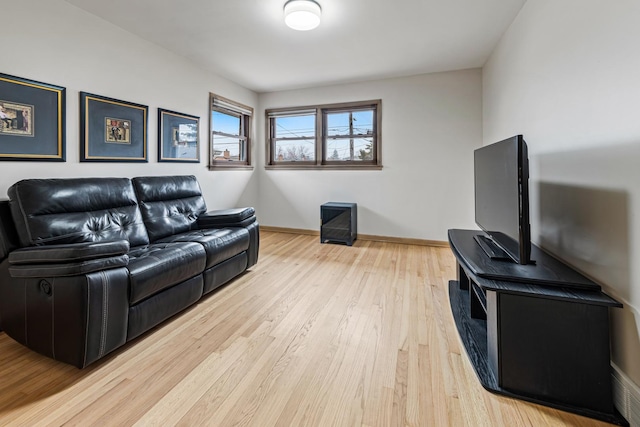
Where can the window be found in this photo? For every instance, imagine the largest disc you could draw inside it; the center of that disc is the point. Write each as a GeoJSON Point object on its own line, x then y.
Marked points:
{"type": "Point", "coordinates": [349, 135]}
{"type": "Point", "coordinates": [230, 127]}
{"type": "Point", "coordinates": [294, 137]}
{"type": "Point", "coordinates": [326, 136]}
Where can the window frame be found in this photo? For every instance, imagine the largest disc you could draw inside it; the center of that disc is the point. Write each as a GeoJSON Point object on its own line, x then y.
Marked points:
{"type": "Point", "coordinates": [271, 132]}
{"type": "Point", "coordinates": [321, 136]}
{"type": "Point", "coordinates": [226, 106]}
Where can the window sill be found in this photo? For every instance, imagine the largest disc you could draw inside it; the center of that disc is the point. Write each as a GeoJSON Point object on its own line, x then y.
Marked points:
{"type": "Point", "coordinates": [324, 167]}
{"type": "Point", "coordinates": [229, 167]}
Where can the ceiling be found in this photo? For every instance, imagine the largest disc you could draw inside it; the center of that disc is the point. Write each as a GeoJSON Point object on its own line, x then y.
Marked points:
{"type": "Point", "coordinates": [247, 42]}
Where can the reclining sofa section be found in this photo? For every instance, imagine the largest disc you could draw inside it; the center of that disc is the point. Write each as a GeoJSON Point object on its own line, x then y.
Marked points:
{"type": "Point", "coordinates": [91, 263]}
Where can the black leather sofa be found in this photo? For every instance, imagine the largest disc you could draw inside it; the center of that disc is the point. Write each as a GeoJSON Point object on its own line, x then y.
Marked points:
{"type": "Point", "coordinates": [89, 264]}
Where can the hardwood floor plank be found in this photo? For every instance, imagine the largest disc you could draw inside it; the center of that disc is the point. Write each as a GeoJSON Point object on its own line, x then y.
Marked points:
{"type": "Point", "coordinates": [200, 414]}
{"type": "Point", "coordinates": [179, 400]}
{"type": "Point", "coordinates": [314, 335]}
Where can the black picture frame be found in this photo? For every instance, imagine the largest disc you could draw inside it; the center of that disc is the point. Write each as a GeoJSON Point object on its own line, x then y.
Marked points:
{"type": "Point", "coordinates": [112, 130]}
{"type": "Point", "coordinates": [32, 120]}
{"type": "Point", "coordinates": [178, 137]}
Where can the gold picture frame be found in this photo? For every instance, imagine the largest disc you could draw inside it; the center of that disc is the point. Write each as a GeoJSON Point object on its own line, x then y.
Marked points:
{"type": "Point", "coordinates": [112, 130]}
{"type": "Point", "coordinates": [32, 120]}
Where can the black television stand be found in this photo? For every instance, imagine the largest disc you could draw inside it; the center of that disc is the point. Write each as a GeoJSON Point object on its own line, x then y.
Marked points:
{"type": "Point", "coordinates": [534, 332]}
{"type": "Point", "coordinates": [492, 250]}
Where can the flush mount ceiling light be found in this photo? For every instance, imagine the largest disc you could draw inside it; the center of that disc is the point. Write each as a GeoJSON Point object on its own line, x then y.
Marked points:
{"type": "Point", "coordinates": [302, 15]}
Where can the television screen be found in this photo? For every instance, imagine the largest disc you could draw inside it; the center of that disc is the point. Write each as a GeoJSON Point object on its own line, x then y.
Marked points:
{"type": "Point", "coordinates": [501, 178]}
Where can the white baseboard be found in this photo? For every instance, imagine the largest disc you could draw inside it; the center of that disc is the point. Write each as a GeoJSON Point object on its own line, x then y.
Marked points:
{"type": "Point", "coordinates": [626, 397]}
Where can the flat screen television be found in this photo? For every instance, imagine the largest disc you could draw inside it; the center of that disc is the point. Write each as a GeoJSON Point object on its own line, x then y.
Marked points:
{"type": "Point", "coordinates": [501, 181]}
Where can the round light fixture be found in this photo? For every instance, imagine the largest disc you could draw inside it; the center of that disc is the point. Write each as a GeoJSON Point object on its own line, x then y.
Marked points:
{"type": "Point", "coordinates": [302, 15]}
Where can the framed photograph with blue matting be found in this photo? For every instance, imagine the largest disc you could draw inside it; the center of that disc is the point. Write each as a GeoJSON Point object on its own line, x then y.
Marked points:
{"type": "Point", "coordinates": [32, 120]}
{"type": "Point", "coordinates": [112, 130]}
{"type": "Point", "coordinates": [178, 137]}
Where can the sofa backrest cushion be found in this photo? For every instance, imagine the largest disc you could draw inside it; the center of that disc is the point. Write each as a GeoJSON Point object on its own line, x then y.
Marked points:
{"type": "Point", "coordinates": [169, 204]}
{"type": "Point", "coordinates": [55, 211]}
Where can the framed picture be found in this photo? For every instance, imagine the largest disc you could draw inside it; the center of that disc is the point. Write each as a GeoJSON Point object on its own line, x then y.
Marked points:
{"type": "Point", "coordinates": [32, 122]}
{"type": "Point", "coordinates": [178, 136]}
{"type": "Point", "coordinates": [112, 130]}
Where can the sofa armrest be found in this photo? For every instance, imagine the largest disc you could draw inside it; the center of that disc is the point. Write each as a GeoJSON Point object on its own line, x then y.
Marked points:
{"type": "Point", "coordinates": [68, 253]}
{"type": "Point", "coordinates": [68, 259]}
{"type": "Point", "coordinates": [74, 319]}
{"type": "Point", "coordinates": [239, 217]}
{"type": "Point", "coordinates": [52, 270]}
{"type": "Point", "coordinates": [8, 234]}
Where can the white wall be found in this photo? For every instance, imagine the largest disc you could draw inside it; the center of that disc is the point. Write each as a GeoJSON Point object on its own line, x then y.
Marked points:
{"type": "Point", "coordinates": [430, 126]}
{"type": "Point", "coordinates": [54, 42]}
{"type": "Point", "coordinates": [430, 123]}
{"type": "Point", "coordinates": [566, 75]}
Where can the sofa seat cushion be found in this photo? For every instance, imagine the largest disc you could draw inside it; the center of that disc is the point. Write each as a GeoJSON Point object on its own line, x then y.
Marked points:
{"type": "Point", "coordinates": [158, 266]}
{"type": "Point", "coordinates": [219, 244]}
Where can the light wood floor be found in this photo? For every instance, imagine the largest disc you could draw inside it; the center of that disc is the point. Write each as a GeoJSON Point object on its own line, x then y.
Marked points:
{"type": "Point", "coordinates": [315, 335]}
